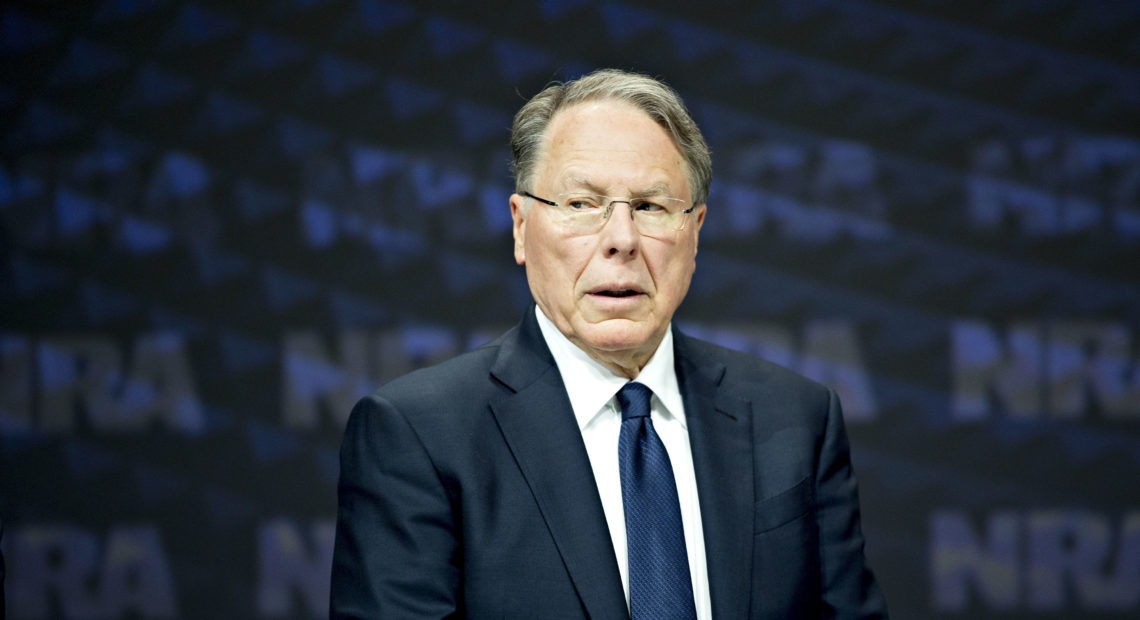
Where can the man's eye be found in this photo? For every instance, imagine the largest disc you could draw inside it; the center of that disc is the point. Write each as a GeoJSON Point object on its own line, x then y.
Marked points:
{"type": "Point", "coordinates": [651, 207]}
{"type": "Point", "coordinates": [581, 204]}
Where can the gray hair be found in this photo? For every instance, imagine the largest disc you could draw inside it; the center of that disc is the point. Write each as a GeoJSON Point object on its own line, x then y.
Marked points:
{"type": "Point", "coordinates": [650, 95]}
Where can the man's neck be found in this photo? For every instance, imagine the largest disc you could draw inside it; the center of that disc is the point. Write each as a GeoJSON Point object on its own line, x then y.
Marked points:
{"type": "Point", "coordinates": [628, 364]}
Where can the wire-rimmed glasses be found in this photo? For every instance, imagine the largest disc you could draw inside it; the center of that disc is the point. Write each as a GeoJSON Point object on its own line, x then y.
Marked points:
{"type": "Point", "coordinates": [584, 213]}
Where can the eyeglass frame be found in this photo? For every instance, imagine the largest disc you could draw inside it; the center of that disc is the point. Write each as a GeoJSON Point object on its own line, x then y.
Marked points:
{"type": "Point", "coordinates": [610, 207]}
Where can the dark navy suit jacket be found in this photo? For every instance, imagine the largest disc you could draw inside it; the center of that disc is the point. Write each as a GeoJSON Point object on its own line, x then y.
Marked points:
{"type": "Point", "coordinates": [466, 491]}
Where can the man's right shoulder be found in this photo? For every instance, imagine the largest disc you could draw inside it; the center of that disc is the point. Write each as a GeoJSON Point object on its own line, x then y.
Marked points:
{"type": "Point", "coordinates": [445, 403]}
{"type": "Point", "coordinates": [465, 373]}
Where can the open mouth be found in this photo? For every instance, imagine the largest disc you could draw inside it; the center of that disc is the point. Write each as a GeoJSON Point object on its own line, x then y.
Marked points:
{"type": "Point", "coordinates": [620, 293]}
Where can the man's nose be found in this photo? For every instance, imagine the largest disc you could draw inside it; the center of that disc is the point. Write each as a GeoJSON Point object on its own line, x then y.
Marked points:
{"type": "Point", "coordinates": [619, 233]}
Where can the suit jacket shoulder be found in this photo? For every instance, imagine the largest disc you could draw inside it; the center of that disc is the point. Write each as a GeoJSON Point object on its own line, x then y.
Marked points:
{"type": "Point", "coordinates": [462, 494]}
{"type": "Point", "coordinates": [772, 458]}
{"type": "Point", "coordinates": [753, 379]}
{"type": "Point", "coordinates": [740, 368]}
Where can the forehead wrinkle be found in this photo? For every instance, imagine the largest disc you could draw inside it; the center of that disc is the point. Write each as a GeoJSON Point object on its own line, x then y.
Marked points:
{"type": "Point", "coordinates": [578, 181]}
{"type": "Point", "coordinates": [660, 188]}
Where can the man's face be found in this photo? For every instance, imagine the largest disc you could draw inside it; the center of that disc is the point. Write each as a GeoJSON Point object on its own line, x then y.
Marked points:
{"type": "Point", "coordinates": [612, 292]}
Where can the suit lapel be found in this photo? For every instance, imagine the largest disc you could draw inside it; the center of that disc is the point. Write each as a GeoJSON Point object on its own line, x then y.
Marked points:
{"type": "Point", "coordinates": [720, 435]}
{"type": "Point", "coordinates": [538, 425]}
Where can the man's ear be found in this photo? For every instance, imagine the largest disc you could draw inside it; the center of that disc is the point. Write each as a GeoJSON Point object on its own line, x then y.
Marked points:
{"type": "Point", "coordinates": [518, 229]}
{"type": "Point", "coordinates": [699, 219]}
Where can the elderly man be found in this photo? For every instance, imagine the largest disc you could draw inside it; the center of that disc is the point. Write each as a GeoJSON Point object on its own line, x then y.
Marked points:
{"type": "Point", "coordinates": [594, 462]}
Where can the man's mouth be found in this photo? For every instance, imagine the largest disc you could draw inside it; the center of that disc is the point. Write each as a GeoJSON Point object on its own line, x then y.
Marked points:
{"type": "Point", "coordinates": [617, 293]}
{"type": "Point", "coordinates": [617, 290]}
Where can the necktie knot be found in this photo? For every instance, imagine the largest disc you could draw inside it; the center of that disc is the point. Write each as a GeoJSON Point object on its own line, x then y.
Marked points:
{"type": "Point", "coordinates": [634, 400]}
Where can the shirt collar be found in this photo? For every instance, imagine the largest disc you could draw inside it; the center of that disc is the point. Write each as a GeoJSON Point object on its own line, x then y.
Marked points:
{"type": "Point", "coordinates": [591, 386]}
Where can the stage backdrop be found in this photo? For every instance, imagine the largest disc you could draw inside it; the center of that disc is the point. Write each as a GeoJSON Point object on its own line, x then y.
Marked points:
{"type": "Point", "coordinates": [221, 223]}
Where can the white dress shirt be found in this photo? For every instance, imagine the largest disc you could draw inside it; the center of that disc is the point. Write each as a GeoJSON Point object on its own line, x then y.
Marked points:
{"type": "Point", "coordinates": [592, 389]}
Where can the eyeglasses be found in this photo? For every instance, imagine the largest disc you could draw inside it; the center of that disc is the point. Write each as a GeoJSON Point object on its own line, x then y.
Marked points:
{"type": "Point", "coordinates": [584, 214]}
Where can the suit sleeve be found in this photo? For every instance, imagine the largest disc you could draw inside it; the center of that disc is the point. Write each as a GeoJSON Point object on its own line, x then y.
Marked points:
{"type": "Point", "coordinates": [396, 553]}
{"type": "Point", "coordinates": [849, 587]}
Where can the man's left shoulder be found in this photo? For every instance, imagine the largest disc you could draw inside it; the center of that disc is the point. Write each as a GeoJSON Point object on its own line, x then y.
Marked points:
{"type": "Point", "coordinates": [743, 370]}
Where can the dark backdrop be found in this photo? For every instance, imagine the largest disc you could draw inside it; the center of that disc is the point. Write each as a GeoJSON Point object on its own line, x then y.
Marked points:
{"type": "Point", "coordinates": [221, 223]}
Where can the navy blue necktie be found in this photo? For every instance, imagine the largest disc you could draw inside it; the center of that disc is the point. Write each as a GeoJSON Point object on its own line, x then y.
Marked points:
{"type": "Point", "coordinates": [660, 585]}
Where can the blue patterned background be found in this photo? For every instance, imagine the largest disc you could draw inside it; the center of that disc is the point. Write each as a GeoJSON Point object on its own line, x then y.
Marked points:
{"type": "Point", "coordinates": [220, 225]}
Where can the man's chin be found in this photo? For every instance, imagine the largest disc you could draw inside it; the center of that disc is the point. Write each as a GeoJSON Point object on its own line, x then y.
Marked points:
{"type": "Point", "coordinates": [618, 336]}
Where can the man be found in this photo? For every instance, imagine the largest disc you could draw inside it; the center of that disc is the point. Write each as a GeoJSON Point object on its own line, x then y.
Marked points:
{"type": "Point", "coordinates": [593, 461]}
